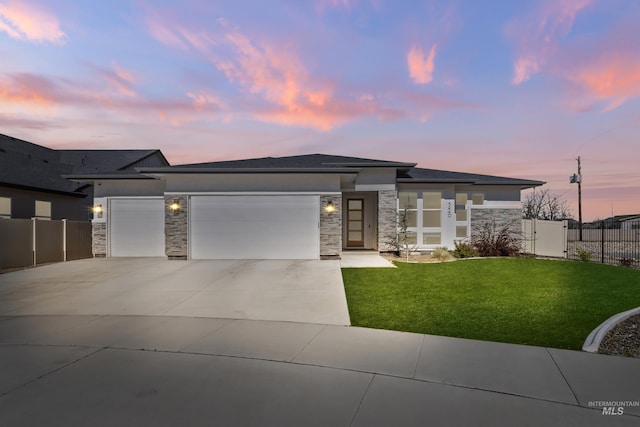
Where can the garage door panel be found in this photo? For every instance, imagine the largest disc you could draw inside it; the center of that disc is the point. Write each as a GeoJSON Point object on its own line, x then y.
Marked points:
{"type": "Point", "coordinates": [254, 227]}
{"type": "Point", "coordinates": [136, 228]}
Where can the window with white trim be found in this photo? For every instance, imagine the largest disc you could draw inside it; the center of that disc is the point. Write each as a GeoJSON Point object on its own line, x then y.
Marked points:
{"type": "Point", "coordinates": [423, 210]}
{"type": "Point", "coordinates": [431, 226]}
{"type": "Point", "coordinates": [462, 216]}
{"type": "Point", "coordinates": [43, 209]}
{"type": "Point", "coordinates": [5, 207]}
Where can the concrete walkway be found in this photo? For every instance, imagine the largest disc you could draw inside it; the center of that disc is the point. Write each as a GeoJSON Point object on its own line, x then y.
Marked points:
{"type": "Point", "coordinates": [167, 371]}
{"type": "Point", "coordinates": [364, 259]}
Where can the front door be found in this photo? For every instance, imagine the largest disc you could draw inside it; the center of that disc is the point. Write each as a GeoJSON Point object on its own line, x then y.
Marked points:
{"type": "Point", "coordinates": [355, 223]}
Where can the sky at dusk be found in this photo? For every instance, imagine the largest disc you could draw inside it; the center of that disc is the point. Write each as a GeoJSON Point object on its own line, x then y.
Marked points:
{"type": "Point", "coordinates": [510, 88]}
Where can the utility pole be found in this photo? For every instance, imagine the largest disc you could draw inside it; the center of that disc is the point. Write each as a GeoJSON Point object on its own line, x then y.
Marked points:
{"type": "Point", "coordinates": [573, 180]}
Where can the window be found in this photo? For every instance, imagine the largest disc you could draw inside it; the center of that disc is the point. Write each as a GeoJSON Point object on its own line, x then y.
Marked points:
{"type": "Point", "coordinates": [431, 217]}
{"type": "Point", "coordinates": [5, 207]}
{"type": "Point", "coordinates": [462, 215]}
{"type": "Point", "coordinates": [477, 198]}
{"type": "Point", "coordinates": [408, 202]}
{"type": "Point", "coordinates": [461, 206]}
{"type": "Point", "coordinates": [423, 213]}
{"type": "Point", "coordinates": [43, 209]}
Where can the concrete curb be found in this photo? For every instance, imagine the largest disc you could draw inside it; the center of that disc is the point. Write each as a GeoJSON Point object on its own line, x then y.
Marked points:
{"type": "Point", "coordinates": [592, 343]}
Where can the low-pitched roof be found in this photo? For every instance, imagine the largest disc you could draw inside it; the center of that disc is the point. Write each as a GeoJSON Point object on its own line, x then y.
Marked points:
{"type": "Point", "coordinates": [297, 162]}
{"type": "Point", "coordinates": [407, 172]}
{"type": "Point", "coordinates": [420, 175]}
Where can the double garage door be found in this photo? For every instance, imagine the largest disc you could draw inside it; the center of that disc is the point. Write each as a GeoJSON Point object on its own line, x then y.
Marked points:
{"type": "Point", "coordinates": [254, 227]}
{"type": "Point", "coordinates": [222, 227]}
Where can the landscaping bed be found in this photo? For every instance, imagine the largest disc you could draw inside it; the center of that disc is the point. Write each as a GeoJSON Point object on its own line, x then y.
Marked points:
{"type": "Point", "coordinates": [515, 300]}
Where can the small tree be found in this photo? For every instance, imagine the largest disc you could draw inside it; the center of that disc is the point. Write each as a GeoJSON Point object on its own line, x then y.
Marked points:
{"type": "Point", "coordinates": [544, 205]}
{"type": "Point", "coordinates": [400, 239]}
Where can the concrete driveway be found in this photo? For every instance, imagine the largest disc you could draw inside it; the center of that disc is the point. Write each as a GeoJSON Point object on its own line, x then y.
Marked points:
{"type": "Point", "coordinates": [281, 290]}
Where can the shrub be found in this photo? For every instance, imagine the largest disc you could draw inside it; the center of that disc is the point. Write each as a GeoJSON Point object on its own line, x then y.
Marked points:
{"type": "Point", "coordinates": [493, 240]}
{"type": "Point", "coordinates": [441, 254]}
{"type": "Point", "coordinates": [464, 250]}
{"type": "Point", "coordinates": [584, 255]}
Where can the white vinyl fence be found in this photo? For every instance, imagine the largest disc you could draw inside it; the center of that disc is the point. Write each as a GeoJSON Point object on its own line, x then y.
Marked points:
{"type": "Point", "coordinates": [545, 238]}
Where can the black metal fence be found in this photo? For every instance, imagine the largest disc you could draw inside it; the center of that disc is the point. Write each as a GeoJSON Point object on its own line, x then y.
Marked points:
{"type": "Point", "coordinates": [607, 242]}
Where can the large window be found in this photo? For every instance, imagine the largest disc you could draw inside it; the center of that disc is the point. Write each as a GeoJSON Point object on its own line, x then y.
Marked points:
{"type": "Point", "coordinates": [423, 211]}
{"type": "Point", "coordinates": [5, 207]}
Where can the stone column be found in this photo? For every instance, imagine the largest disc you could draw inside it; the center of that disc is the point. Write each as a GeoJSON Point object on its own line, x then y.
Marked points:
{"type": "Point", "coordinates": [387, 218]}
{"type": "Point", "coordinates": [330, 227]}
{"type": "Point", "coordinates": [99, 239]}
{"type": "Point", "coordinates": [176, 227]}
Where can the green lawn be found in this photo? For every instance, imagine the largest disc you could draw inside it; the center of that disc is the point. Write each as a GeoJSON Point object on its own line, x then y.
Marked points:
{"type": "Point", "coordinates": [515, 300]}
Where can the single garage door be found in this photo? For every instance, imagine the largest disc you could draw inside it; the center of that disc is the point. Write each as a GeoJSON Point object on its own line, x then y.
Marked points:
{"type": "Point", "coordinates": [254, 227]}
{"type": "Point", "coordinates": [136, 227]}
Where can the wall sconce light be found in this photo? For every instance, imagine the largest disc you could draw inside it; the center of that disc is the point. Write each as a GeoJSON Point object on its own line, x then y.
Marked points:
{"type": "Point", "coordinates": [330, 208]}
{"type": "Point", "coordinates": [97, 211]}
{"type": "Point", "coordinates": [174, 206]}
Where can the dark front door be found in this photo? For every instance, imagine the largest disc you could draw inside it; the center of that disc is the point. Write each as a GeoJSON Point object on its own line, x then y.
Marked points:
{"type": "Point", "coordinates": [355, 223]}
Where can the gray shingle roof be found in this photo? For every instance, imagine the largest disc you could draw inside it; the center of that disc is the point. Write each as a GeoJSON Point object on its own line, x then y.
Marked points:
{"type": "Point", "coordinates": [294, 162]}
{"type": "Point", "coordinates": [103, 161]}
{"type": "Point", "coordinates": [25, 164]}
{"type": "Point", "coordinates": [440, 176]}
{"type": "Point", "coordinates": [407, 172]}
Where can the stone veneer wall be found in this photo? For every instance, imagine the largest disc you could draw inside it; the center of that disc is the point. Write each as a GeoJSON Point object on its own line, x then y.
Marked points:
{"type": "Point", "coordinates": [99, 239]}
{"type": "Point", "coordinates": [330, 227]}
{"type": "Point", "coordinates": [387, 218]}
{"type": "Point", "coordinates": [502, 217]}
{"type": "Point", "coordinates": [176, 227]}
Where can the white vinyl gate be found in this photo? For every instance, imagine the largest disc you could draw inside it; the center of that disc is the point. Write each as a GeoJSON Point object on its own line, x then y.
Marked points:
{"type": "Point", "coordinates": [545, 238]}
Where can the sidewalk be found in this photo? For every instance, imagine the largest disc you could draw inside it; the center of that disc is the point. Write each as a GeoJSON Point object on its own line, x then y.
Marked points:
{"type": "Point", "coordinates": [152, 370]}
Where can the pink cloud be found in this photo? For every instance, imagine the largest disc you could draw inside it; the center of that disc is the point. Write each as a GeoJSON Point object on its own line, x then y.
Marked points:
{"type": "Point", "coordinates": [24, 21]}
{"type": "Point", "coordinates": [280, 89]}
{"type": "Point", "coordinates": [120, 79]}
{"type": "Point", "coordinates": [30, 90]}
{"type": "Point", "coordinates": [26, 88]}
{"type": "Point", "coordinates": [613, 77]}
{"type": "Point", "coordinates": [536, 35]}
{"type": "Point", "coordinates": [421, 68]}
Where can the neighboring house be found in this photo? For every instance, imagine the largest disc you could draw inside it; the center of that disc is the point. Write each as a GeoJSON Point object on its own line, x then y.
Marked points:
{"type": "Point", "coordinates": [630, 222]}
{"type": "Point", "coordinates": [298, 207]}
{"type": "Point", "coordinates": [624, 222]}
{"type": "Point", "coordinates": [31, 182]}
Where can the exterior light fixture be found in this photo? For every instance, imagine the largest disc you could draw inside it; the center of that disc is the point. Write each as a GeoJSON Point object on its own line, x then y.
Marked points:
{"type": "Point", "coordinates": [330, 208]}
{"type": "Point", "coordinates": [97, 211]}
{"type": "Point", "coordinates": [174, 206]}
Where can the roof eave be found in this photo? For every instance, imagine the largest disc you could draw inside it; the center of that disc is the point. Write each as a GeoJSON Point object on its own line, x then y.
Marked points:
{"type": "Point", "coordinates": [42, 190]}
{"type": "Point", "coordinates": [85, 178]}
{"type": "Point", "coordinates": [524, 184]}
{"type": "Point", "coordinates": [171, 170]}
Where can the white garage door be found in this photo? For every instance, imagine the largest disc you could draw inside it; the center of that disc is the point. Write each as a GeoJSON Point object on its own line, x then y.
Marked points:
{"type": "Point", "coordinates": [254, 227]}
{"type": "Point", "coordinates": [136, 227]}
